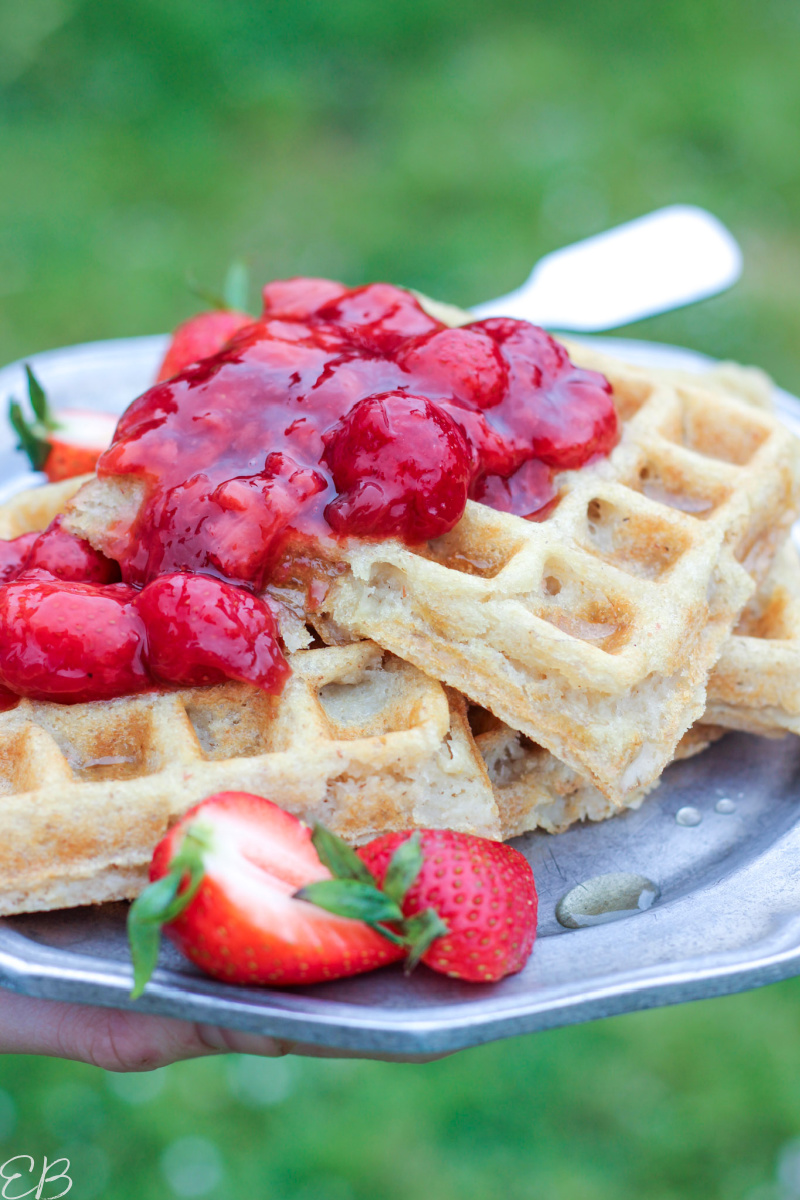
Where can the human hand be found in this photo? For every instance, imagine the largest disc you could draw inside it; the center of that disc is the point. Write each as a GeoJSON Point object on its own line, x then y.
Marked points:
{"type": "Point", "coordinates": [124, 1040]}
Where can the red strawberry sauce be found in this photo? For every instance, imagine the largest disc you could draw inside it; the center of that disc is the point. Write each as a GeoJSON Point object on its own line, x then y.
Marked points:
{"type": "Point", "coordinates": [338, 413]}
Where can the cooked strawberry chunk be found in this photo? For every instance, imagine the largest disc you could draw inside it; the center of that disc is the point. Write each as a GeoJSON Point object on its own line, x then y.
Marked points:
{"type": "Point", "coordinates": [70, 642]}
{"type": "Point", "coordinates": [555, 411]}
{"type": "Point", "coordinates": [248, 515]}
{"type": "Point", "coordinates": [401, 466]}
{"type": "Point", "coordinates": [465, 364]}
{"type": "Point", "coordinates": [378, 317]}
{"type": "Point", "coordinates": [527, 492]}
{"type": "Point", "coordinates": [199, 337]}
{"type": "Point", "coordinates": [202, 631]}
{"type": "Point", "coordinates": [14, 554]}
{"type": "Point", "coordinates": [298, 298]}
{"type": "Point", "coordinates": [69, 557]}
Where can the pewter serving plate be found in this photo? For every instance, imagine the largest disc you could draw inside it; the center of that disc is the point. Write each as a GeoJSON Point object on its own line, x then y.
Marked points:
{"type": "Point", "coordinates": [723, 891]}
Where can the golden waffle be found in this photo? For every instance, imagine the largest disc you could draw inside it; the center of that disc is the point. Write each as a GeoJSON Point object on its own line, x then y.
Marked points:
{"type": "Point", "coordinates": [358, 739]}
{"type": "Point", "coordinates": [91, 788]}
{"type": "Point", "coordinates": [34, 509]}
{"type": "Point", "coordinates": [534, 790]}
{"type": "Point", "coordinates": [755, 686]}
{"type": "Point", "coordinates": [593, 631]}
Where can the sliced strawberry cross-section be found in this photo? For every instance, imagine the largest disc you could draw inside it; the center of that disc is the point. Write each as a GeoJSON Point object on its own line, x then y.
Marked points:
{"type": "Point", "coordinates": [224, 886]}
{"type": "Point", "coordinates": [62, 445]}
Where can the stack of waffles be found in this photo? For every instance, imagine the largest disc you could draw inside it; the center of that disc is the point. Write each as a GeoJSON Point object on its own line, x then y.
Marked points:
{"type": "Point", "coordinates": [509, 676]}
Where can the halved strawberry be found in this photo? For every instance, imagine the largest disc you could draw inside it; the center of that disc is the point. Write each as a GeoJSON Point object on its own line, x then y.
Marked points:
{"type": "Point", "coordinates": [62, 445]}
{"type": "Point", "coordinates": [225, 882]}
{"type": "Point", "coordinates": [79, 438]}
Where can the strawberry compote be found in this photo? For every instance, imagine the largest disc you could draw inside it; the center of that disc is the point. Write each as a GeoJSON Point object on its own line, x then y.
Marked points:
{"type": "Point", "coordinates": [348, 412]}
{"type": "Point", "coordinates": [71, 634]}
{"type": "Point", "coordinates": [340, 413]}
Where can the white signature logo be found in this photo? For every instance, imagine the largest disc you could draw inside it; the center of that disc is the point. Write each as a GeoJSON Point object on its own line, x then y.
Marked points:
{"type": "Point", "coordinates": [47, 1176]}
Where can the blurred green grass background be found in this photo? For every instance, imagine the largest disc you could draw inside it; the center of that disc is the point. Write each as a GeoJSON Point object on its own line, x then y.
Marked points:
{"type": "Point", "coordinates": [444, 146]}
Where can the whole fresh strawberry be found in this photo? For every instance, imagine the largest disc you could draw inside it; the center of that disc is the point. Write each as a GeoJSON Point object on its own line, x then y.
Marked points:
{"type": "Point", "coordinates": [199, 337]}
{"type": "Point", "coordinates": [207, 332]}
{"type": "Point", "coordinates": [225, 882]}
{"type": "Point", "coordinates": [62, 445]}
{"type": "Point", "coordinates": [483, 892]}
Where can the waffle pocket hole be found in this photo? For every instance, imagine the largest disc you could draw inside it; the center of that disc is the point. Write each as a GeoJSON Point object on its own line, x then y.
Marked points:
{"type": "Point", "coordinates": [604, 627]}
{"type": "Point", "coordinates": [638, 543]}
{"type": "Point", "coordinates": [772, 622]}
{"type": "Point", "coordinates": [509, 756]}
{"type": "Point", "coordinates": [232, 721]}
{"type": "Point", "coordinates": [666, 484]}
{"type": "Point", "coordinates": [122, 749]}
{"type": "Point", "coordinates": [473, 551]}
{"type": "Point", "coordinates": [718, 432]}
{"type": "Point", "coordinates": [629, 396]}
{"type": "Point", "coordinates": [581, 609]}
{"type": "Point", "coordinates": [17, 763]}
{"type": "Point", "coordinates": [378, 702]}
